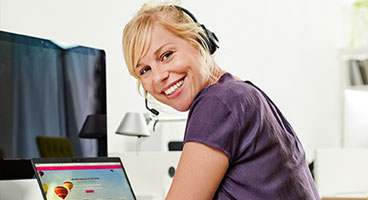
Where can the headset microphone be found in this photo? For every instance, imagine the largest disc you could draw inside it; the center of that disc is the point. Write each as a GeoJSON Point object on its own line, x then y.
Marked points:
{"type": "Point", "coordinates": [152, 110]}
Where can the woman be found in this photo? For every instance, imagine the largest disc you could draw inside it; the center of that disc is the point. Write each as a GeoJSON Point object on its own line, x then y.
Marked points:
{"type": "Point", "coordinates": [237, 144]}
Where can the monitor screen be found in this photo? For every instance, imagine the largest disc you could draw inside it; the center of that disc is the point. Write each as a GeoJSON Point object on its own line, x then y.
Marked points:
{"type": "Point", "coordinates": [47, 89]}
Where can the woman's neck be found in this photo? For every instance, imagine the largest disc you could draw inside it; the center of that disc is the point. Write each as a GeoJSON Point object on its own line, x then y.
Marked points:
{"type": "Point", "coordinates": [216, 74]}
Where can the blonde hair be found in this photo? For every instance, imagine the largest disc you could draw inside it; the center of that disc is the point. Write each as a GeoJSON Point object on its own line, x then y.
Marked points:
{"type": "Point", "coordinates": [137, 34]}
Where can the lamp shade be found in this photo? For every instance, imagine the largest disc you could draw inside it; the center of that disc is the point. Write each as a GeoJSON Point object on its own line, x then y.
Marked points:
{"type": "Point", "coordinates": [134, 124]}
{"type": "Point", "coordinates": [94, 126]}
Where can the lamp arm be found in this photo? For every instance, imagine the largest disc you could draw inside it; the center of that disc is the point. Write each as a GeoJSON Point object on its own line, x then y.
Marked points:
{"type": "Point", "coordinates": [156, 119]}
{"type": "Point", "coordinates": [171, 119]}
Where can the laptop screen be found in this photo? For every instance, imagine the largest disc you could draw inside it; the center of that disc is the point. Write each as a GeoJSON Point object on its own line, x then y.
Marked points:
{"type": "Point", "coordinates": [84, 178]}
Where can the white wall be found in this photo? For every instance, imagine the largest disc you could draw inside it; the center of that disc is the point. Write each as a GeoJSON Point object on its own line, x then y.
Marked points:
{"type": "Point", "coordinates": [287, 47]}
{"type": "Point", "coordinates": [341, 172]}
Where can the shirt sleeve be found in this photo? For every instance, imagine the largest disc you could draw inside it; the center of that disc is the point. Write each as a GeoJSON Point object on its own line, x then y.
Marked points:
{"type": "Point", "coordinates": [212, 122]}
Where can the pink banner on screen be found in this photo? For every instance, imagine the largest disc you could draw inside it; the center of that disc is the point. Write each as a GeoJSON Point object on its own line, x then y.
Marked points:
{"type": "Point", "coordinates": [54, 168]}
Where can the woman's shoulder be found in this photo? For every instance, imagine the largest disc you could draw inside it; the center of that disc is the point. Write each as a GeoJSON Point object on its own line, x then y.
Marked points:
{"type": "Point", "coordinates": [230, 89]}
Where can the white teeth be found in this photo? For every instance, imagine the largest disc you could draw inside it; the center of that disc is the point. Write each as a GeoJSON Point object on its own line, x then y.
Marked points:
{"type": "Point", "coordinates": [174, 87]}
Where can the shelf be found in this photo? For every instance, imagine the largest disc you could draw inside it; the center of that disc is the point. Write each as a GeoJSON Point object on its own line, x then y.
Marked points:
{"type": "Point", "coordinates": [358, 87]}
{"type": "Point", "coordinates": [354, 66]}
{"type": "Point", "coordinates": [354, 53]}
{"type": "Point", "coordinates": [351, 72]}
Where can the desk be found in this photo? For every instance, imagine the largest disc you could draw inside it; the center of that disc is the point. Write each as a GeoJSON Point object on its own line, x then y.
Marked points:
{"type": "Point", "coordinates": [148, 172]}
{"type": "Point", "coordinates": [343, 198]}
{"type": "Point", "coordinates": [24, 189]}
{"type": "Point", "coordinates": [347, 196]}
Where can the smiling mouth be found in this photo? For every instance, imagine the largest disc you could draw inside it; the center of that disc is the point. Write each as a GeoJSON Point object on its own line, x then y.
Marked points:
{"type": "Point", "coordinates": [174, 88]}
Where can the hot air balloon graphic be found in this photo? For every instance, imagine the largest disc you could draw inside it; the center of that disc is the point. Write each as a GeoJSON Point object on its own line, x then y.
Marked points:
{"type": "Point", "coordinates": [61, 192]}
{"type": "Point", "coordinates": [68, 185]}
{"type": "Point", "coordinates": [41, 173]}
{"type": "Point", "coordinates": [45, 187]}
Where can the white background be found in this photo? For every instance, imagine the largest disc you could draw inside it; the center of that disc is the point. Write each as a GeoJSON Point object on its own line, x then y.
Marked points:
{"type": "Point", "coordinates": [287, 47]}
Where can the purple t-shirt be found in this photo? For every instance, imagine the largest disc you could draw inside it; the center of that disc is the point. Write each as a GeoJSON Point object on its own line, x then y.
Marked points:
{"type": "Point", "coordinates": [266, 158]}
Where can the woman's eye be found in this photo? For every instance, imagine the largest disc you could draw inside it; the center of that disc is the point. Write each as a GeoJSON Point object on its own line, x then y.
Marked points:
{"type": "Point", "coordinates": [166, 55]}
{"type": "Point", "coordinates": [144, 70]}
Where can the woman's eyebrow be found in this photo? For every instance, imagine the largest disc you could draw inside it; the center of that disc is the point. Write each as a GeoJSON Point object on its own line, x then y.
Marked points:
{"type": "Point", "coordinates": [161, 47]}
{"type": "Point", "coordinates": [157, 51]}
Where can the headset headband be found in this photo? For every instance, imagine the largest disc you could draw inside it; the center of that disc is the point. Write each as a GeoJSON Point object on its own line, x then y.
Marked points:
{"type": "Point", "coordinates": [210, 38]}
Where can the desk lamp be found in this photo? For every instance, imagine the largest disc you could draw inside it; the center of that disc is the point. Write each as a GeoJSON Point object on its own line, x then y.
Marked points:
{"type": "Point", "coordinates": [95, 127]}
{"type": "Point", "coordinates": [136, 124]}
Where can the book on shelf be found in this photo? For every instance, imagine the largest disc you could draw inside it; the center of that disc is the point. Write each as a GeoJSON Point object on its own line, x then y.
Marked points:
{"type": "Point", "coordinates": [358, 72]}
{"type": "Point", "coordinates": [363, 71]}
{"type": "Point", "coordinates": [365, 66]}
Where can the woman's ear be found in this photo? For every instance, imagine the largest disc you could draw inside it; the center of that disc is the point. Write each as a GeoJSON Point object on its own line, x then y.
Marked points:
{"type": "Point", "coordinates": [145, 93]}
{"type": "Point", "coordinates": [140, 88]}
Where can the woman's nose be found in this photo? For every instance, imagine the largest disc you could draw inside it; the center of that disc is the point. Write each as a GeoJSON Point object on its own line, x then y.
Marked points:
{"type": "Point", "coordinates": [160, 74]}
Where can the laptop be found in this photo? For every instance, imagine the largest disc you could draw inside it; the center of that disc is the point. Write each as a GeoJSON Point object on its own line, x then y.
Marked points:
{"type": "Point", "coordinates": [102, 178]}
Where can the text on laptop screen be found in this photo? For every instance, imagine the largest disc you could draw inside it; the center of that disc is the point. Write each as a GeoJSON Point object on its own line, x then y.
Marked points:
{"type": "Point", "coordinates": [87, 181]}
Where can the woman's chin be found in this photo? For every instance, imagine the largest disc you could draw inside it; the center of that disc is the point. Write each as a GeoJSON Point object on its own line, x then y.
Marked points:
{"type": "Point", "coordinates": [181, 108]}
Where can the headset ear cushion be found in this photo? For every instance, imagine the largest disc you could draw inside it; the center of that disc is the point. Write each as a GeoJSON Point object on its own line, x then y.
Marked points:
{"type": "Point", "coordinates": [211, 40]}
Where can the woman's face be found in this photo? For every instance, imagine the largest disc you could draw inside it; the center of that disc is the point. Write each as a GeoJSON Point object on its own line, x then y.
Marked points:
{"type": "Point", "coordinates": [172, 71]}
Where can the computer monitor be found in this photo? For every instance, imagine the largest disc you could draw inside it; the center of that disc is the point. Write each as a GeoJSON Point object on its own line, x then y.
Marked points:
{"type": "Point", "coordinates": [48, 88]}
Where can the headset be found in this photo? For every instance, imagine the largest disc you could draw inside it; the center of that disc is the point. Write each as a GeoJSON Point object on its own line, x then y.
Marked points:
{"type": "Point", "coordinates": [210, 39]}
